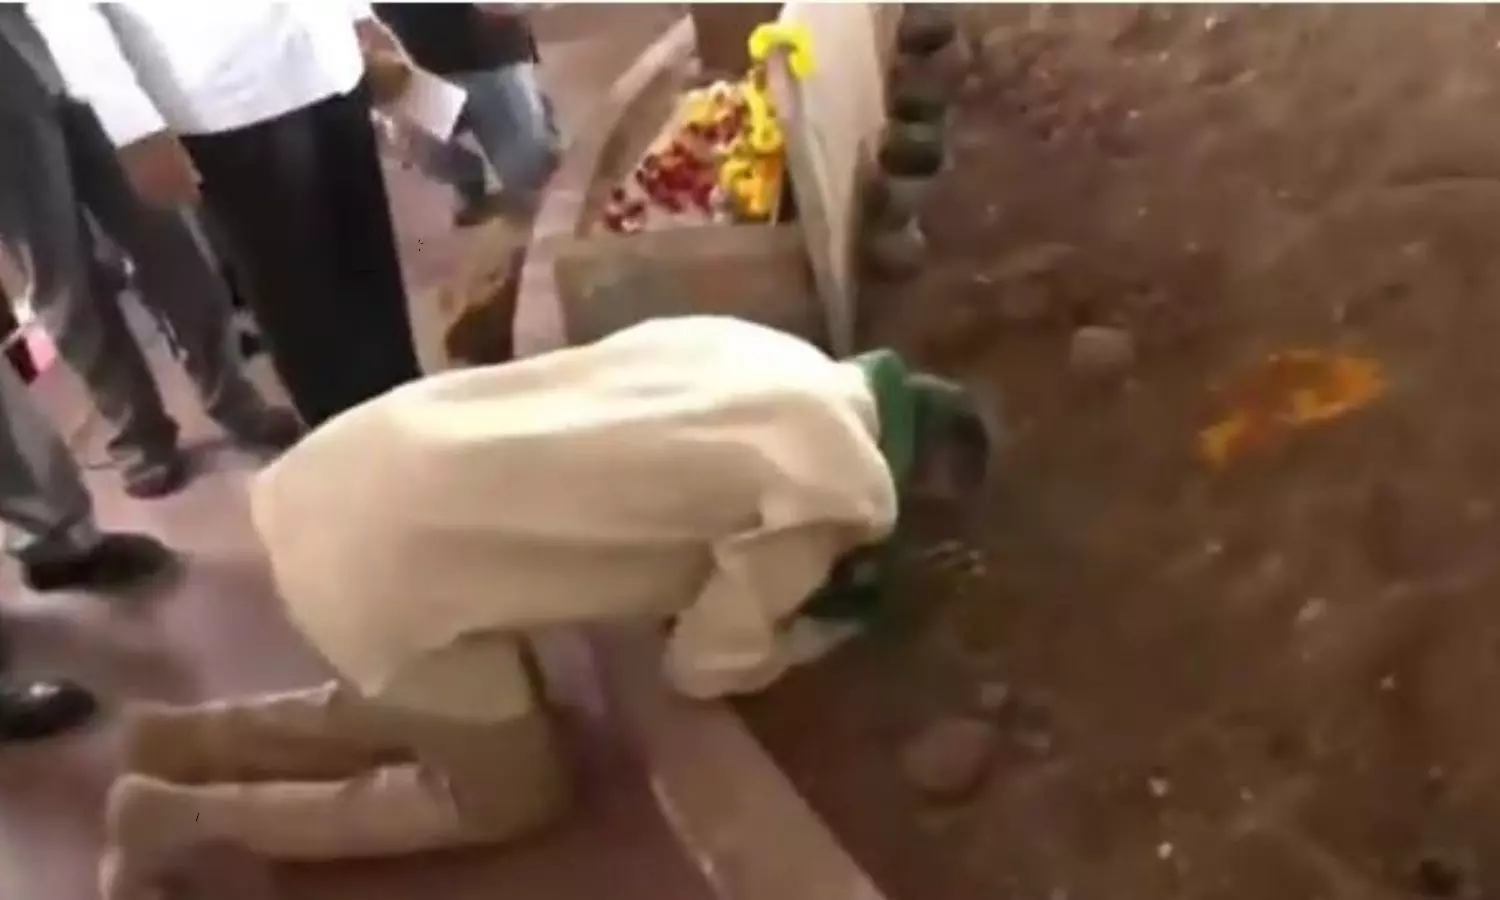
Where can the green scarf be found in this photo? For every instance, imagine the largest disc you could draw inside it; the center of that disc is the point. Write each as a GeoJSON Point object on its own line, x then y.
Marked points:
{"type": "Point", "coordinates": [853, 589]}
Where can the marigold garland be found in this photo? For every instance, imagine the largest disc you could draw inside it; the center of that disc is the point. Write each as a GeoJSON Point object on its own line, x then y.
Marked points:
{"type": "Point", "coordinates": [727, 155]}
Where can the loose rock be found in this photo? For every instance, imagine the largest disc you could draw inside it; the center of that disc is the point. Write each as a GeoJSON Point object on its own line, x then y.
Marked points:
{"type": "Point", "coordinates": [896, 254]}
{"type": "Point", "coordinates": [1099, 351]}
{"type": "Point", "coordinates": [1024, 303]}
{"type": "Point", "coordinates": [1435, 876]}
{"type": "Point", "coordinates": [1029, 262]}
{"type": "Point", "coordinates": [948, 759]}
{"type": "Point", "coordinates": [995, 698]}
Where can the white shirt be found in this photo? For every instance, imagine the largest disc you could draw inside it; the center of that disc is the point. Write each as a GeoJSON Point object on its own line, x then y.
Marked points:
{"type": "Point", "coordinates": [706, 470]}
{"type": "Point", "coordinates": [200, 67]}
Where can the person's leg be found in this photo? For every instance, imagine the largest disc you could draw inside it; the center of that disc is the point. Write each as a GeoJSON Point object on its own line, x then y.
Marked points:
{"type": "Point", "coordinates": [513, 121]}
{"type": "Point", "coordinates": [246, 329]}
{"type": "Point", "coordinates": [297, 734]}
{"type": "Point", "coordinates": [301, 200]}
{"type": "Point", "coordinates": [357, 778]}
{"type": "Point", "coordinates": [453, 164]}
{"type": "Point", "coordinates": [178, 283]}
{"type": "Point", "coordinates": [112, 269]}
{"type": "Point", "coordinates": [45, 506]}
{"type": "Point", "coordinates": [90, 330]}
{"type": "Point", "coordinates": [300, 776]}
{"type": "Point", "coordinates": [47, 511]}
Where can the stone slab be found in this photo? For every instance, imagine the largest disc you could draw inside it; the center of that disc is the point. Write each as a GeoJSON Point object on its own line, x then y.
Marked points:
{"type": "Point", "coordinates": [833, 119]}
{"type": "Point", "coordinates": [749, 831]}
{"type": "Point", "coordinates": [607, 282]}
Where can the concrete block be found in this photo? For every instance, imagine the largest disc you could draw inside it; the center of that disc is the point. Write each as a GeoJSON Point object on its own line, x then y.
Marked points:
{"type": "Point", "coordinates": [607, 282]}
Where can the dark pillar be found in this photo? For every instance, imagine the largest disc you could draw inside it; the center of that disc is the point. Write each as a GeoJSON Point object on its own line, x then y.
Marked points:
{"type": "Point", "coordinates": [723, 29]}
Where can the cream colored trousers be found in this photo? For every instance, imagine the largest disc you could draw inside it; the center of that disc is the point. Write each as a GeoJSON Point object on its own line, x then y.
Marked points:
{"type": "Point", "coordinates": [326, 774]}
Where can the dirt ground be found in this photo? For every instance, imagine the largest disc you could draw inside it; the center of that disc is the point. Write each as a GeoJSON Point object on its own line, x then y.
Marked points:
{"type": "Point", "coordinates": [1265, 680]}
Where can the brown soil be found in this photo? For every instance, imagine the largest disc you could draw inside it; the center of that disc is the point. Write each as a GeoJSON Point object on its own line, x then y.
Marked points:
{"type": "Point", "coordinates": [1266, 680]}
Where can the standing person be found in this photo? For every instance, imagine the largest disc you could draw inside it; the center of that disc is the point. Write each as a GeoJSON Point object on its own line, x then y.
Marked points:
{"type": "Point", "coordinates": [58, 170]}
{"type": "Point", "coordinates": [490, 52]}
{"type": "Point", "coordinates": [50, 530]}
{"type": "Point", "coordinates": [265, 105]}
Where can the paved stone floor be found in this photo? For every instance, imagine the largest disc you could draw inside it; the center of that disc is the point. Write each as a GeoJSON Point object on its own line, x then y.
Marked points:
{"type": "Point", "coordinates": [218, 632]}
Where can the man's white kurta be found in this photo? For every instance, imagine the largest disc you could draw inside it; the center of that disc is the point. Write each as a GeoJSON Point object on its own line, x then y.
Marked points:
{"type": "Point", "coordinates": [704, 468]}
{"type": "Point", "coordinates": [200, 67]}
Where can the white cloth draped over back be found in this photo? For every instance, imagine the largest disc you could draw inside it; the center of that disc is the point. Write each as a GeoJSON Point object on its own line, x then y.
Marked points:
{"type": "Point", "coordinates": [700, 468]}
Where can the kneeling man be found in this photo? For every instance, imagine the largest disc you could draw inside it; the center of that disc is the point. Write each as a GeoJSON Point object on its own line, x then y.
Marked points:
{"type": "Point", "coordinates": [705, 472]}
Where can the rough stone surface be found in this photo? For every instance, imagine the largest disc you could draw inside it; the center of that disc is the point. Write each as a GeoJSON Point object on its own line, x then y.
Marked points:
{"type": "Point", "coordinates": [834, 118]}
{"type": "Point", "coordinates": [948, 759]}
{"type": "Point", "coordinates": [608, 282]}
{"type": "Point", "coordinates": [1034, 261]}
{"type": "Point", "coordinates": [895, 254]}
{"type": "Point", "coordinates": [995, 698]}
{"type": "Point", "coordinates": [1026, 281]}
{"type": "Point", "coordinates": [1099, 351]}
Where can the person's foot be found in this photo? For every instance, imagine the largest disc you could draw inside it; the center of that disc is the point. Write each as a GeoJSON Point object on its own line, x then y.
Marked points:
{"type": "Point", "coordinates": [32, 711]}
{"type": "Point", "coordinates": [478, 210]}
{"type": "Point", "coordinates": [117, 562]}
{"type": "Point", "coordinates": [148, 479]}
{"type": "Point", "coordinates": [276, 429]}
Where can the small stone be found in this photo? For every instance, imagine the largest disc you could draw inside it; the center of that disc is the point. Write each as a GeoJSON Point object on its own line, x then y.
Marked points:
{"type": "Point", "coordinates": [1099, 351]}
{"type": "Point", "coordinates": [1031, 261]}
{"type": "Point", "coordinates": [949, 758]}
{"type": "Point", "coordinates": [1312, 611]}
{"type": "Point", "coordinates": [944, 551]}
{"type": "Point", "coordinates": [896, 254]}
{"type": "Point", "coordinates": [1435, 780]}
{"type": "Point", "coordinates": [1164, 851]}
{"type": "Point", "coordinates": [1024, 303]}
{"type": "Point", "coordinates": [1433, 876]}
{"type": "Point", "coordinates": [1159, 786]}
{"type": "Point", "coordinates": [1034, 739]}
{"type": "Point", "coordinates": [995, 698]}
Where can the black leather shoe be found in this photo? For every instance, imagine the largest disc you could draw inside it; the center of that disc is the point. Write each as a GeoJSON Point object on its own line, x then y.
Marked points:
{"type": "Point", "coordinates": [31, 711]}
{"type": "Point", "coordinates": [478, 210]}
{"type": "Point", "coordinates": [149, 479]}
{"type": "Point", "coordinates": [277, 428]}
{"type": "Point", "coordinates": [117, 562]}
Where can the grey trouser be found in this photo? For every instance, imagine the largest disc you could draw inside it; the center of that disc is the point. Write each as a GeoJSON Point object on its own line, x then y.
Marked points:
{"type": "Point", "coordinates": [43, 502]}
{"type": "Point", "coordinates": [513, 122]}
{"type": "Point", "coordinates": [55, 163]}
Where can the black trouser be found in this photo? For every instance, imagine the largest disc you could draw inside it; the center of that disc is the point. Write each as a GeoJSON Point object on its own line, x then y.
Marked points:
{"type": "Point", "coordinates": [16, 350]}
{"type": "Point", "coordinates": [302, 205]}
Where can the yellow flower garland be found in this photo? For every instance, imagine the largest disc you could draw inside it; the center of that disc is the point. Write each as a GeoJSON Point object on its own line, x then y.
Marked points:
{"type": "Point", "coordinates": [754, 170]}
{"type": "Point", "coordinates": [732, 129]}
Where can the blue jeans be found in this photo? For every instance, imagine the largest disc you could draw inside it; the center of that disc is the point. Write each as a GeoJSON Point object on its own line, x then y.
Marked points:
{"type": "Point", "coordinates": [512, 120]}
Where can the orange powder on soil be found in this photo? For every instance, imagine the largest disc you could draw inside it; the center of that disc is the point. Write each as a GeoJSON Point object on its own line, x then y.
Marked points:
{"type": "Point", "coordinates": [1284, 392]}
